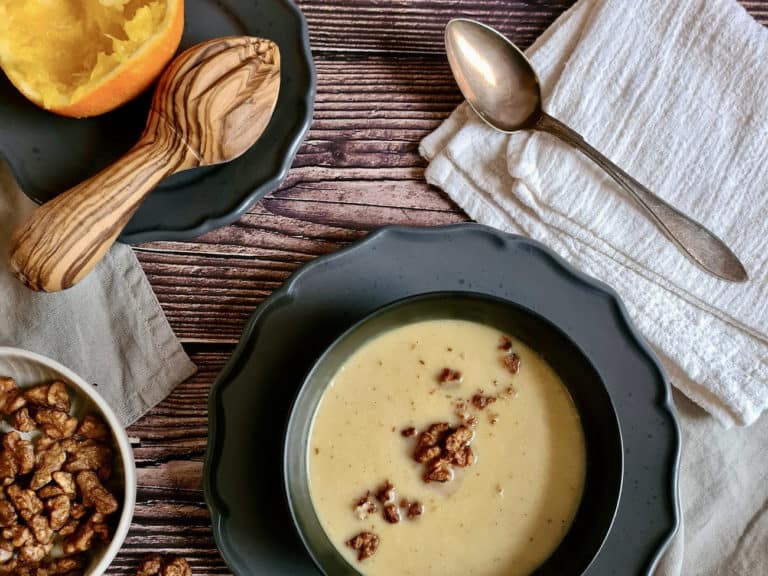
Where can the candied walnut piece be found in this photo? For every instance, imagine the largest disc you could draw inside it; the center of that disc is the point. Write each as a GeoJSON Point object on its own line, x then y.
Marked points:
{"type": "Point", "coordinates": [93, 427]}
{"type": "Point", "coordinates": [22, 421]}
{"type": "Point", "coordinates": [17, 535]}
{"type": "Point", "coordinates": [386, 493]}
{"type": "Point", "coordinates": [505, 343]}
{"type": "Point", "coordinates": [449, 376]}
{"type": "Point", "coordinates": [460, 437]}
{"type": "Point", "coordinates": [87, 455]}
{"type": "Point", "coordinates": [433, 435]}
{"type": "Point", "coordinates": [25, 501]}
{"type": "Point", "coordinates": [58, 511]}
{"type": "Point", "coordinates": [58, 397]}
{"type": "Point", "coordinates": [49, 491]}
{"type": "Point", "coordinates": [11, 397]}
{"type": "Point", "coordinates": [33, 552]}
{"type": "Point", "coordinates": [37, 395]}
{"type": "Point", "coordinates": [41, 529]}
{"type": "Point", "coordinates": [8, 515]}
{"type": "Point", "coordinates": [55, 423]}
{"type": "Point", "coordinates": [391, 513]}
{"type": "Point", "coordinates": [365, 506]}
{"type": "Point", "coordinates": [439, 470]}
{"type": "Point", "coordinates": [21, 450]}
{"type": "Point", "coordinates": [365, 544]}
{"type": "Point", "coordinates": [8, 468]}
{"type": "Point", "coordinates": [177, 567]}
{"type": "Point", "coordinates": [512, 363]}
{"type": "Point", "coordinates": [65, 565]}
{"type": "Point", "coordinates": [150, 565]}
{"type": "Point", "coordinates": [77, 510]}
{"type": "Point", "coordinates": [415, 509]}
{"type": "Point", "coordinates": [480, 400]}
{"type": "Point", "coordinates": [69, 527]}
{"type": "Point", "coordinates": [426, 454]}
{"type": "Point", "coordinates": [46, 463]}
{"type": "Point", "coordinates": [66, 482]}
{"type": "Point", "coordinates": [408, 432]}
{"type": "Point", "coordinates": [9, 567]}
{"type": "Point", "coordinates": [81, 540]}
{"type": "Point", "coordinates": [463, 457]}
{"type": "Point", "coordinates": [94, 494]}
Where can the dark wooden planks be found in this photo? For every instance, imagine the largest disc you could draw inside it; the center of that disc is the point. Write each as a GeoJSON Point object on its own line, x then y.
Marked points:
{"type": "Point", "coordinates": [417, 25]}
{"type": "Point", "coordinates": [171, 516]}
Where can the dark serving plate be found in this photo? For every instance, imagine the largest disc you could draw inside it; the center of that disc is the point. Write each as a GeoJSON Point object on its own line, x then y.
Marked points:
{"type": "Point", "coordinates": [49, 154]}
{"type": "Point", "coordinates": [251, 399]}
{"type": "Point", "coordinates": [605, 460]}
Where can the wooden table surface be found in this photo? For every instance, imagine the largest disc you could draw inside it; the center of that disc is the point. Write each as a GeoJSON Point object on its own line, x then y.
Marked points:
{"type": "Point", "coordinates": [382, 84]}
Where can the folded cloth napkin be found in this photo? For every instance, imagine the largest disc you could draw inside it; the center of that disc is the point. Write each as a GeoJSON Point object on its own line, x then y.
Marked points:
{"type": "Point", "coordinates": [675, 93]}
{"type": "Point", "coordinates": [109, 329]}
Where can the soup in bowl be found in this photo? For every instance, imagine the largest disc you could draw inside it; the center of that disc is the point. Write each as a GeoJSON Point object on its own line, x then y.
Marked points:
{"type": "Point", "coordinates": [453, 433]}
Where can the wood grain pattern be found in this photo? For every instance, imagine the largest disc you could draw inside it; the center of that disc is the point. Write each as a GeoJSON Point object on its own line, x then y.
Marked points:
{"type": "Point", "coordinates": [382, 86]}
{"type": "Point", "coordinates": [210, 105]}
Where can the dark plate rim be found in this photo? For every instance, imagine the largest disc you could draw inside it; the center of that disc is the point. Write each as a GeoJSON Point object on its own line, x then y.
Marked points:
{"type": "Point", "coordinates": [206, 224]}
{"type": "Point", "coordinates": [406, 301]}
{"type": "Point", "coordinates": [285, 292]}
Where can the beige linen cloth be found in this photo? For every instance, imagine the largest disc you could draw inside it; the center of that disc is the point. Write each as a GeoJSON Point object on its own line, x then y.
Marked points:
{"type": "Point", "coordinates": [109, 329]}
{"type": "Point", "coordinates": [677, 94]}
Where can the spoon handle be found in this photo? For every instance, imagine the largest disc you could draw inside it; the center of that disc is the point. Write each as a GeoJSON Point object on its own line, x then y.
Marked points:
{"type": "Point", "coordinates": [703, 247]}
{"type": "Point", "coordinates": [66, 237]}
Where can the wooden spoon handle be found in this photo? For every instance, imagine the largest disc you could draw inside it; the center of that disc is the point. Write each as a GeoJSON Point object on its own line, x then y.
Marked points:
{"type": "Point", "coordinates": [65, 238]}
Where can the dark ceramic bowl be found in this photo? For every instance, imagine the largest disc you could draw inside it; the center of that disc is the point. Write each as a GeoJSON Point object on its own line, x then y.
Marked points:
{"type": "Point", "coordinates": [605, 464]}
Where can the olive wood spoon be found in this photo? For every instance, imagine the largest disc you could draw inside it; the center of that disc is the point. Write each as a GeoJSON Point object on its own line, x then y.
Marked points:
{"type": "Point", "coordinates": [210, 105]}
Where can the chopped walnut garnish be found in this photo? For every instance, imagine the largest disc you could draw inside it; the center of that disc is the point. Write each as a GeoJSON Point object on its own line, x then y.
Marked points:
{"type": "Point", "coordinates": [512, 363]}
{"type": "Point", "coordinates": [22, 421]}
{"type": "Point", "coordinates": [365, 506]}
{"type": "Point", "coordinates": [11, 398]}
{"type": "Point", "coordinates": [66, 482]}
{"type": "Point", "coordinates": [46, 463]}
{"type": "Point", "coordinates": [58, 511]}
{"type": "Point", "coordinates": [25, 501]}
{"type": "Point", "coordinates": [433, 435]}
{"type": "Point", "coordinates": [55, 423]}
{"type": "Point", "coordinates": [426, 453]}
{"type": "Point", "coordinates": [8, 516]}
{"type": "Point", "coordinates": [415, 509]}
{"type": "Point", "coordinates": [480, 400]}
{"type": "Point", "coordinates": [93, 427]}
{"type": "Point", "coordinates": [448, 375]}
{"type": "Point", "coordinates": [463, 457]}
{"type": "Point", "coordinates": [386, 493]}
{"type": "Point", "coordinates": [458, 438]}
{"type": "Point", "coordinates": [58, 397]}
{"type": "Point", "coordinates": [41, 529]}
{"type": "Point", "coordinates": [87, 455]}
{"type": "Point", "coordinates": [439, 470]}
{"type": "Point", "coordinates": [391, 513]}
{"type": "Point", "coordinates": [150, 566]}
{"type": "Point", "coordinates": [365, 544]}
{"type": "Point", "coordinates": [408, 432]}
{"type": "Point", "coordinates": [505, 343]}
{"type": "Point", "coordinates": [94, 494]}
{"type": "Point", "coordinates": [21, 450]}
{"type": "Point", "coordinates": [177, 567]}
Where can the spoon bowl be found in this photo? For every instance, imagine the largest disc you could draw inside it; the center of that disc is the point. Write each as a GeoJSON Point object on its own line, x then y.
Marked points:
{"type": "Point", "coordinates": [496, 78]}
{"type": "Point", "coordinates": [501, 86]}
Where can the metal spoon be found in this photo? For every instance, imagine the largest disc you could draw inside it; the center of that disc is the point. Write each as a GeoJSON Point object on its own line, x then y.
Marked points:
{"type": "Point", "coordinates": [500, 84]}
{"type": "Point", "coordinates": [210, 105]}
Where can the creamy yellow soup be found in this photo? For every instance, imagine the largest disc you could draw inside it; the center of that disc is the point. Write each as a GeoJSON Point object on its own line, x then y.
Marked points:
{"type": "Point", "coordinates": [502, 515]}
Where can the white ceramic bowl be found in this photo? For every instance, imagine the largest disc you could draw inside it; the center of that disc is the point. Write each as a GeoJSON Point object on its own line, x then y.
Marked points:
{"type": "Point", "coordinates": [28, 369]}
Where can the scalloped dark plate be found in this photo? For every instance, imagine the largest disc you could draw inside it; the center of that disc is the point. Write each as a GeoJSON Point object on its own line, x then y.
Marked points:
{"type": "Point", "coordinates": [48, 153]}
{"type": "Point", "coordinates": [250, 400]}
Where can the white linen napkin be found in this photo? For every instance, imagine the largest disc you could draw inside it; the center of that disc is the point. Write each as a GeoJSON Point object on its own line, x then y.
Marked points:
{"type": "Point", "coordinates": [676, 94]}
{"type": "Point", "coordinates": [109, 329]}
